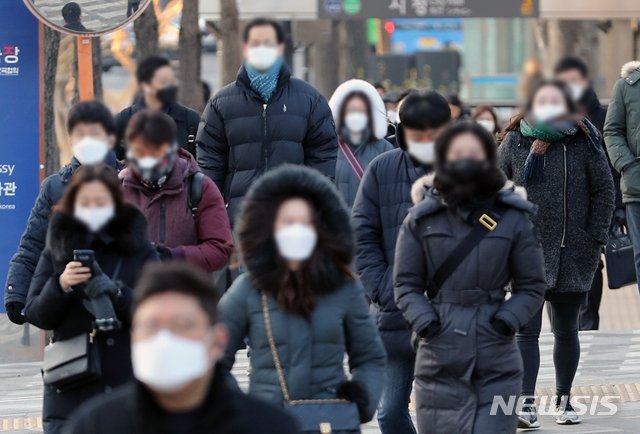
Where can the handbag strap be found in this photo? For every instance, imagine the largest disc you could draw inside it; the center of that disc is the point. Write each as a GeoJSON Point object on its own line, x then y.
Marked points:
{"type": "Point", "coordinates": [342, 148]}
{"type": "Point", "coordinates": [486, 223]}
{"type": "Point", "coordinates": [276, 361]}
{"type": "Point", "coordinates": [117, 269]}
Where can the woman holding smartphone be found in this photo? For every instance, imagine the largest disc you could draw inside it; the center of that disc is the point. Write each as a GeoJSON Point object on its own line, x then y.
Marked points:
{"type": "Point", "coordinates": [91, 216]}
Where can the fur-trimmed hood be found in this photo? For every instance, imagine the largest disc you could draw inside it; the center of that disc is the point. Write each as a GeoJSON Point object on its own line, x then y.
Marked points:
{"type": "Point", "coordinates": [377, 105]}
{"type": "Point", "coordinates": [127, 232]}
{"type": "Point", "coordinates": [291, 181]}
{"type": "Point", "coordinates": [511, 195]}
{"type": "Point", "coordinates": [629, 67]}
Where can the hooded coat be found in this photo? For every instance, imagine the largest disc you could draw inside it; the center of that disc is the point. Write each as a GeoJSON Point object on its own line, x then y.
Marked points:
{"type": "Point", "coordinates": [204, 238]}
{"type": "Point", "coordinates": [457, 377]}
{"type": "Point", "coordinates": [241, 136]}
{"type": "Point", "coordinates": [381, 205]}
{"type": "Point", "coordinates": [348, 173]}
{"type": "Point", "coordinates": [123, 239]}
{"type": "Point", "coordinates": [311, 348]}
{"type": "Point", "coordinates": [32, 242]}
{"type": "Point", "coordinates": [576, 200]}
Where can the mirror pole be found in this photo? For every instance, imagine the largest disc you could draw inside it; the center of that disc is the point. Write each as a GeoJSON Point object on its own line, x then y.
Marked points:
{"type": "Point", "coordinates": [85, 69]}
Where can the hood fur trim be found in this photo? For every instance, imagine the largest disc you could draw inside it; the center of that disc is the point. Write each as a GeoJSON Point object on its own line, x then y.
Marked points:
{"type": "Point", "coordinates": [377, 106]}
{"type": "Point", "coordinates": [423, 185]}
{"type": "Point", "coordinates": [629, 67]}
{"type": "Point", "coordinates": [128, 229]}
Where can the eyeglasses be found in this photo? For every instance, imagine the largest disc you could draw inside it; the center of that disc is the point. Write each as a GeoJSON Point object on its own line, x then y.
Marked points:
{"type": "Point", "coordinates": [186, 328]}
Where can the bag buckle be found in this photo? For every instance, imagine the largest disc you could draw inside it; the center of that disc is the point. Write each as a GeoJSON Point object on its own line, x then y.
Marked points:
{"type": "Point", "coordinates": [470, 297]}
{"type": "Point", "coordinates": [488, 222]}
{"type": "Point", "coordinates": [325, 428]}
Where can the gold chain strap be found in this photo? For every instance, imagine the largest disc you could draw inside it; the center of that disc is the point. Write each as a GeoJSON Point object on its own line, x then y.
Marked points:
{"type": "Point", "coordinates": [276, 360]}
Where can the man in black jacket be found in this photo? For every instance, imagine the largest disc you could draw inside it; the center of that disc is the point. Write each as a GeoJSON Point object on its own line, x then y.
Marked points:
{"type": "Point", "coordinates": [159, 92]}
{"type": "Point", "coordinates": [380, 207]}
{"type": "Point", "coordinates": [264, 119]}
{"type": "Point", "coordinates": [176, 345]}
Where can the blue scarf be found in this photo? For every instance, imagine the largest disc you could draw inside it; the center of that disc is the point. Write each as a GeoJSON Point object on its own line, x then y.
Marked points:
{"type": "Point", "coordinates": [264, 83]}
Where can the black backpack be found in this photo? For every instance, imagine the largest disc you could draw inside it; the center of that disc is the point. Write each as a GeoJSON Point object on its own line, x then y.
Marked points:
{"type": "Point", "coordinates": [194, 195]}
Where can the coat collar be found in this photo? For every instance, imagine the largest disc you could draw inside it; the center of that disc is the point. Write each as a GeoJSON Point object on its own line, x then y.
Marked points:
{"type": "Point", "coordinates": [243, 82]}
{"type": "Point", "coordinates": [68, 170]}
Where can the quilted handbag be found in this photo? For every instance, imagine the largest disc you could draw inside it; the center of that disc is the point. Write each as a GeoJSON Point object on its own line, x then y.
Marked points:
{"type": "Point", "coordinates": [314, 416]}
{"type": "Point", "coordinates": [621, 267]}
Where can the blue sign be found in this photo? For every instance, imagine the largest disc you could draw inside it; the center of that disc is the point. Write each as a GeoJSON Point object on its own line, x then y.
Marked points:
{"type": "Point", "coordinates": [19, 125]}
{"type": "Point", "coordinates": [431, 34]}
{"type": "Point", "coordinates": [333, 6]}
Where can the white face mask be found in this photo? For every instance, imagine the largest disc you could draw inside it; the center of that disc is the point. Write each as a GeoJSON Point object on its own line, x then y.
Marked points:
{"type": "Point", "coordinates": [393, 116]}
{"type": "Point", "coordinates": [94, 218]}
{"type": "Point", "coordinates": [424, 152]}
{"type": "Point", "coordinates": [147, 163]}
{"type": "Point", "coordinates": [576, 91]}
{"type": "Point", "coordinates": [356, 122]}
{"type": "Point", "coordinates": [548, 112]}
{"type": "Point", "coordinates": [262, 57]}
{"type": "Point", "coordinates": [89, 150]}
{"type": "Point", "coordinates": [296, 242]}
{"type": "Point", "coordinates": [488, 125]}
{"type": "Point", "coordinates": [167, 363]}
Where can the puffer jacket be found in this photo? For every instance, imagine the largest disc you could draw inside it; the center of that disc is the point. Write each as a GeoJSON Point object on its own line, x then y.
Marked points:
{"type": "Point", "coordinates": [381, 205]}
{"type": "Point", "coordinates": [576, 200]}
{"type": "Point", "coordinates": [32, 243]}
{"type": "Point", "coordinates": [241, 136]}
{"type": "Point", "coordinates": [622, 131]}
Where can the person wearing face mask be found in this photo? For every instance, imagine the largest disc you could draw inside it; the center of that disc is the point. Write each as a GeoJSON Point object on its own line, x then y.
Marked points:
{"type": "Point", "coordinates": [186, 213]}
{"type": "Point", "coordinates": [381, 205]}
{"type": "Point", "coordinates": [486, 116]}
{"type": "Point", "coordinates": [92, 215]}
{"type": "Point", "coordinates": [555, 152]}
{"type": "Point", "coordinates": [297, 245]}
{"type": "Point", "coordinates": [464, 328]}
{"type": "Point", "coordinates": [391, 104]}
{"type": "Point", "coordinates": [264, 119]}
{"type": "Point", "coordinates": [177, 343]}
{"type": "Point", "coordinates": [159, 92]}
{"type": "Point", "coordinates": [91, 131]}
{"type": "Point", "coordinates": [360, 120]}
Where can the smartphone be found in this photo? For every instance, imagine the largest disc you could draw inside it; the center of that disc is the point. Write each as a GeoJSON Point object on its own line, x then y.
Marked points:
{"type": "Point", "coordinates": [85, 257]}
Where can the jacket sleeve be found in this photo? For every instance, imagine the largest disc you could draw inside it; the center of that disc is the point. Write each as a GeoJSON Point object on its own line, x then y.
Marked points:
{"type": "Point", "coordinates": [212, 145]}
{"type": "Point", "coordinates": [410, 277]}
{"type": "Point", "coordinates": [367, 356]}
{"type": "Point", "coordinates": [46, 303]}
{"type": "Point", "coordinates": [321, 142]}
{"type": "Point", "coordinates": [603, 198]}
{"type": "Point", "coordinates": [32, 242]}
{"type": "Point", "coordinates": [504, 155]}
{"type": "Point", "coordinates": [233, 312]}
{"type": "Point", "coordinates": [526, 263]}
{"type": "Point", "coordinates": [615, 130]}
{"type": "Point", "coordinates": [215, 242]}
{"type": "Point", "coordinates": [365, 216]}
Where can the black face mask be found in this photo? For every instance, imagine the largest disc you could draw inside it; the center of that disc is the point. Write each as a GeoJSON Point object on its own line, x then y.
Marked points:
{"type": "Point", "coordinates": [466, 170]}
{"type": "Point", "coordinates": [167, 95]}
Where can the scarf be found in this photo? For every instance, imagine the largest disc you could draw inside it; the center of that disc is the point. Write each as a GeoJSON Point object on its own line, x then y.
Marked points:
{"type": "Point", "coordinates": [264, 83]}
{"type": "Point", "coordinates": [545, 134]}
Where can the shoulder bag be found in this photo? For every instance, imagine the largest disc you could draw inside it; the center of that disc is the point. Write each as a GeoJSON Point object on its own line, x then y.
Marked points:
{"type": "Point", "coordinates": [618, 253]}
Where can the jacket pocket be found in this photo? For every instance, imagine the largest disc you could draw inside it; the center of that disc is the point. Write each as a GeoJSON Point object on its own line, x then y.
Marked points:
{"type": "Point", "coordinates": [630, 176]}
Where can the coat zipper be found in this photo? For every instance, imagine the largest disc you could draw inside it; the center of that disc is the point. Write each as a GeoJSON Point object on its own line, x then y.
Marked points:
{"type": "Point", "coordinates": [163, 224]}
{"type": "Point", "coordinates": [564, 197]}
{"type": "Point", "coordinates": [264, 140]}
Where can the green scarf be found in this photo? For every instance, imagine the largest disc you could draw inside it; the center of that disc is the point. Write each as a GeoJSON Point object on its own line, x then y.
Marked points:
{"type": "Point", "coordinates": [540, 131]}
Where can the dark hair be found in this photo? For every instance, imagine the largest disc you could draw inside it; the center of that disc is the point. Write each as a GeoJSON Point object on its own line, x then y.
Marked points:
{"type": "Point", "coordinates": [422, 110]}
{"type": "Point", "coordinates": [263, 21]}
{"type": "Point", "coordinates": [71, 12]}
{"type": "Point", "coordinates": [148, 67]}
{"type": "Point", "coordinates": [514, 123]}
{"type": "Point", "coordinates": [91, 173]}
{"type": "Point", "coordinates": [571, 62]}
{"type": "Point", "coordinates": [365, 98]}
{"type": "Point", "coordinates": [91, 112]}
{"type": "Point", "coordinates": [405, 94]}
{"type": "Point", "coordinates": [378, 85]}
{"type": "Point", "coordinates": [487, 108]}
{"type": "Point", "coordinates": [152, 126]}
{"type": "Point", "coordinates": [490, 183]}
{"type": "Point", "coordinates": [453, 99]}
{"type": "Point", "coordinates": [177, 276]}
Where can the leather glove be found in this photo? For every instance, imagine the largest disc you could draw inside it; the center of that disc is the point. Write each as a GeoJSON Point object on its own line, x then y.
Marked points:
{"type": "Point", "coordinates": [100, 284]}
{"type": "Point", "coordinates": [164, 253]}
{"type": "Point", "coordinates": [502, 327]}
{"type": "Point", "coordinates": [356, 391]}
{"type": "Point", "coordinates": [431, 330]}
{"type": "Point", "coordinates": [14, 312]}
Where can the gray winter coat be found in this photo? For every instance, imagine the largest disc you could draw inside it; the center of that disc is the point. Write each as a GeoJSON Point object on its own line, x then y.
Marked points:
{"type": "Point", "coordinates": [576, 200]}
{"type": "Point", "coordinates": [311, 350]}
{"type": "Point", "coordinates": [347, 180]}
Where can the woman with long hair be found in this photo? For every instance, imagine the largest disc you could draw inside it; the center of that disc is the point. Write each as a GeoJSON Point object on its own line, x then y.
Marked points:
{"type": "Point", "coordinates": [555, 152]}
{"type": "Point", "coordinates": [361, 123]}
{"type": "Point", "coordinates": [463, 326]}
{"type": "Point", "coordinates": [486, 116]}
{"type": "Point", "coordinates": [297, 246]}
{"type": "Point", "coordinates": [92, 215]}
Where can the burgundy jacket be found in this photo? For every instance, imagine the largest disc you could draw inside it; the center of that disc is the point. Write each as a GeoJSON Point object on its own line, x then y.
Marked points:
{"type": "Point", "coordinates": [204, 239]}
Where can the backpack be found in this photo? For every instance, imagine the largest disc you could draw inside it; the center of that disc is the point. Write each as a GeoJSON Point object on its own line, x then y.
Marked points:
{"type": "Point", "coordinates": [194, 194]}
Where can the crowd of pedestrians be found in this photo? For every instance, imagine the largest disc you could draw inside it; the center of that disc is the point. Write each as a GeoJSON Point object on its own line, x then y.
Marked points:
{"type": "Point", "coordinates": [403, 235]}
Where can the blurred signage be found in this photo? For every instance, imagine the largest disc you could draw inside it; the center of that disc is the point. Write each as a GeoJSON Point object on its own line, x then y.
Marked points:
{"type": "Point", "coordinates": [20, 114]}
{"type": "Point", "coordinates": [345, 9]}
{"type": "Point", "coordinates": [431, 34]}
